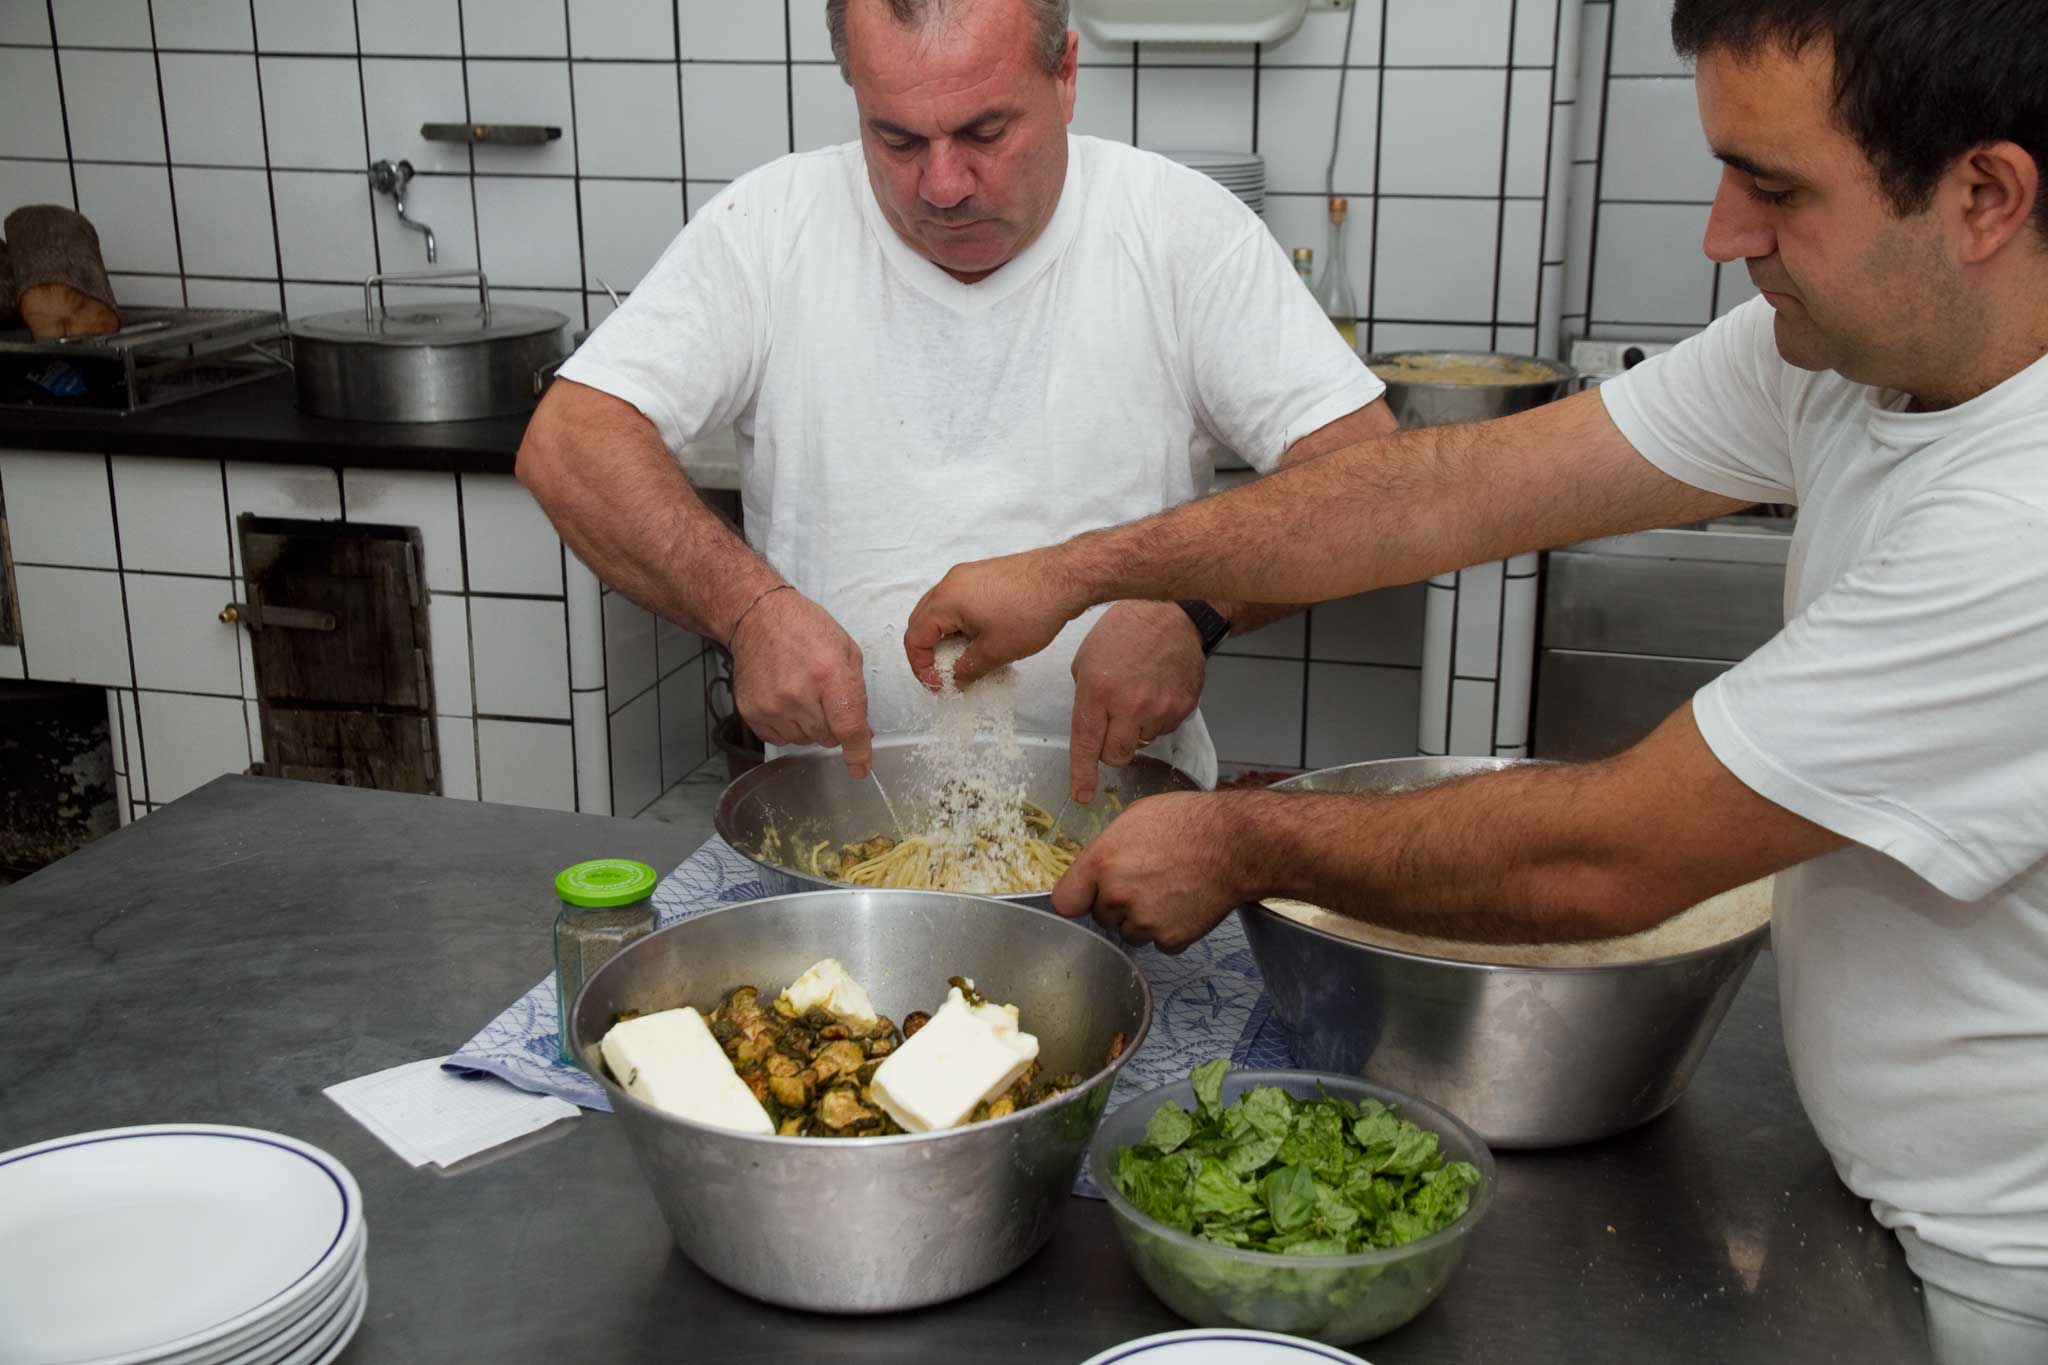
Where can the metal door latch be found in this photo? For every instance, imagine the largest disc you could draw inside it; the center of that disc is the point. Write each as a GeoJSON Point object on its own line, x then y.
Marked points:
{"type": "Point", "coordinates": [255, 616]}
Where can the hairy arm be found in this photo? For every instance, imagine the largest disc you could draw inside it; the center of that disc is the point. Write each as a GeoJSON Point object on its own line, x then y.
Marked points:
{"type": "Point", "coordinates": [1533, 853]}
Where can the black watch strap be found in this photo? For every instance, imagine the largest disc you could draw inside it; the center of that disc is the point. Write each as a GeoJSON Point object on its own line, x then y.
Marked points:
{"type": "Point", "coordinates": [1209, 624]}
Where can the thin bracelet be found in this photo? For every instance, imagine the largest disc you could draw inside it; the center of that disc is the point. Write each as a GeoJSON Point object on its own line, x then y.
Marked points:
{"type": "Point", "coordinates": [732, 636]}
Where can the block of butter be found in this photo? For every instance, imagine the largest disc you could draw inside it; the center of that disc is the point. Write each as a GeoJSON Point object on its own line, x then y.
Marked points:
{"type": "Point", "coordinates": [671, 1061]}
{"type": "Point", "coordinates": [825, 985]}
{"type": "Point", "coordinates": [964, 1055]}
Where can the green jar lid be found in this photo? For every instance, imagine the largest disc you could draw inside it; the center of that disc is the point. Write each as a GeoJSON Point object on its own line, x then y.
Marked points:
{"type": "Point", "coordinates": [606, 881]}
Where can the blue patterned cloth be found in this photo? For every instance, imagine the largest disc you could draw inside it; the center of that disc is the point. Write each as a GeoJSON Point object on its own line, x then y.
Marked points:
{"type": "Point", "coordinates": [1206, 1002]}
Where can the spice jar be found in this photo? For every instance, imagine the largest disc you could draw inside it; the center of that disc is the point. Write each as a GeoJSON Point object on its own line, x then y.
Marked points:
{"type": "Point", "coordinates": [606, 904]}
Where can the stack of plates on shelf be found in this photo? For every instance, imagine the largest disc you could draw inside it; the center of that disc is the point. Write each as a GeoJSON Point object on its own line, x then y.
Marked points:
{"type": "Point", "coordinates": [179, 1244]}
{"type": "Point", "coordinates": [1242, 173]}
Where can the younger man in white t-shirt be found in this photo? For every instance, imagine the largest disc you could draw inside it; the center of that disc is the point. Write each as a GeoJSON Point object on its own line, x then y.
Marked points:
{"type": "Point", "coordinates": [1886, 754]}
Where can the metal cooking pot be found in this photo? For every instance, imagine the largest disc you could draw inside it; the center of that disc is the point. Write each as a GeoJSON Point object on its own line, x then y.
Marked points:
{"type": "Point", "coordinates": [1529, 1056]}
{"type": "Point", "coordinates": [426, 361]}
{"type": "Point", "coordinates": [808, 797]}
{"type": "Point", "coordinates": [873, 1225]}
{"type": "Point", "coordinates": [1417, 404]}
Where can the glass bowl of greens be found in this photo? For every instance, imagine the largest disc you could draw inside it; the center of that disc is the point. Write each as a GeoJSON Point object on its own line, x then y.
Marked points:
{"type": "Point", "coordinates": [1292, 1201]}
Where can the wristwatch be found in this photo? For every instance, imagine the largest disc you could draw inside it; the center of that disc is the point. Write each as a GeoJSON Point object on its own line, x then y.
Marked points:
{"type": "Point", "coordinates": [1209, 624]}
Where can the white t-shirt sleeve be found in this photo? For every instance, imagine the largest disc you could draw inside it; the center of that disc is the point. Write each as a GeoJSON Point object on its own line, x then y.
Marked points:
{"type": "Point", "coordinates": [1904, 707]}
{"type": "Point", "coordinates": [1712, 411]}
{"type": "Point", "coordinates": [1267, 366]}
{"type": "Point", "coordinates": [687, 347]}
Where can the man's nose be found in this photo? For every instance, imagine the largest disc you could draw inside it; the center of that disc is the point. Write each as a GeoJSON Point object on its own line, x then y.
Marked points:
{"type": "Point", "coordinates": [948, 180]}
{"type": "Point", "coordinates": [1737, 228]}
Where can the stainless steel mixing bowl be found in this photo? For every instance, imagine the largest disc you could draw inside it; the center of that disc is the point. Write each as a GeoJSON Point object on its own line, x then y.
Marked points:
{"type": "Point", "coordinates": [871, 1225]}
{"type": "Point", "coordinates": [1528, 1056]}
{"type": "Point", "coordinates": [808, 797]}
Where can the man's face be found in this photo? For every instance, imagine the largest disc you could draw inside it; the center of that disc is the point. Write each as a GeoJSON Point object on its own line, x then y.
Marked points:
{"type": "Point", "coordinates": [1858, 288]}
{"type": "Point", "coordinates": [965, 133]}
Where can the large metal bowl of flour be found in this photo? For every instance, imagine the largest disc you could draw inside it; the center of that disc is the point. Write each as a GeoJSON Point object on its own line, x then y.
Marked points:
{"type": "Point", "coordinates": [1529, 1056]}
{"type": "Point", "coordinates": [873, 1225]}
{"type": "Point", "coordinates": [808, 797]}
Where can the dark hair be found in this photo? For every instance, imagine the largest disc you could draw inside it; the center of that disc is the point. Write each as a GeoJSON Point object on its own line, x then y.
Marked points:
{"type": "Point", "coordinates": [1918, 83]}
{"type": "Point", "coordinates": [1050, 17]}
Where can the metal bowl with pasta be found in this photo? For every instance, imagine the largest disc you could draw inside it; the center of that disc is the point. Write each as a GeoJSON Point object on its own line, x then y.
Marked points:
{"type": "Point", "coordinates": [797, 816]}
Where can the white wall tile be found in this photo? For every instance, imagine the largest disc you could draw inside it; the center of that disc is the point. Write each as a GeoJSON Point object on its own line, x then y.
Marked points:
{"type": "Point", "coordinates": [224, 221]}
{"type": "Point", "coordinates": [629, 657]}
{"type": "Point", "coordinates": [25, 21]}
{"type": "Point", "coordinates": [146, 291]}
{"type": "Point", "coordinates": [173, 516]}
{"type": "Point", "coordinates": [1648, 266]}
{"type": "Point", "coordinates": [1431, 336]}
{"type": "Point", "coordinates": [35, 182]}
{"type": "Point", "coordinates": [1297, 112]}
{"type": "Point", "coordinates": [130, 205]}
{"type": "Point", "coordinates": [514, 28]}
{"type": "Point", "coordinates": [684, 743]}
{"type": "Point", "coordinates": [72, 625]}
{"type": "Point", "coordinates": [720, 30]}
{"type": "Point", "coordinates": [1196, 54]}
{"type": "Point", "coordinates": [1476, 635]}
{"type": "Point", "coordinates": [624, 28]}
{"type": "Point", "coordinates": [1102, 103]}
{"type": "Point", "coordinates": [1304, 220]}
{"type": "Point", "coordinates": [410, 27]}
{"type": "Point", "coordinates": [1655, 149]}
{"type": "Point", "coordinates": [1253, 707]}
{"type": "Point", "coordinates": [512, 545]}
{"type": "Point", "coordinates": [212, 108]}
{"type": "Point", "coordinates": [324, 229]}
{"type": "Point", "coordinates": [1521, 250]}
{"type": "Point", "coordinates": [103, 23]}
{"type": "Point", "coordinates": [809, 41]}
{"type": "Point", "coordinates": [627, 119]}
{"type": "Point", "coordinates": [1443, 133]}
{"type": "Point", "coordinates": [524, 92]}
{"type": "Point", "coordinates": [304, 492]}
{"type": "Point", "coordinates": [110, 102]}
{"type": "Point", "coordinates": [1190, 109]}
{"type": "Point", "coordinates": [221, 24]}
{"type": "Point", "coordinates": [445, 204]}
{"type": "Point", "coordinates": [11, 665]}
{"type": "Point", "coordinates": [636, 756]}
{"type": "Point", "coordinates": [1436, 259]}
{"type": "Point", "coordinates": [1519, 341]}
{"type": "Point", "coordinates": [698, 193]}
{"type": "Point", "coordinates": [1733, 287]}
{"type": "Point", "coordinates": [1529, 128]}
{"type": "Point", "coordinates": [1471, 717]}
{"type": "Point", "coordinates": [303, 300]}
{"type": "Point", "coordinates": [526, 764]}
{"type": "Point", "coordinates": [1592, 87]}
{"type": "Point", "coordinates": [31, 114]}
{"type": "Point", "coordinates": [1356, 713]}
{"type": "Point", "coordinates": [400, 95]}
{"type": "Point", "coordinates": [448, 626]}
{"type": "Point", "coordinates": [521, 652]}
{"type": "Point", "coordinates": [627, 224]}
{"type": "Point", "coordinates": [408, 497]}
{"type": "Point", "coordinates": [58, 509]}
{"type": "Point", "coordinates": [735, 117]}
{"type": "Point", "coordinates": [527, 231]}
{"type": "Point", "coordinates": [1518, 661]}
{"type": "Point", "coordinates": [313, 112]}
{"type": "Point", "coordinates": [824, 109]}
{"type": "Point", "coordinates": [180, 643]}
{"type": "Point", "coordinates": [1383, 627]}
{"type": "Point", "coordinates": [305, 26]}
{"type": "Point", "coordinates": [1642, 40]}
{"type": "Point", "coordinates": [674, 646]}
{"type": "Point", "coordinates": [1536, 24]}
{"type": "Point", "coordinates": [189, 741]}
{"type": "Point", "coordinates": [455, 739]}
{"type": "Point", "coordinates": [583, 596]}
{"type": "Point", "coordinates": [592, 733]}
{"type": "Point", "coordinates": [1320, 40]}
{"type": "Point", "coordinates": [1447, 32]}
{"type": "Point", "coordinates": [1286, 638]}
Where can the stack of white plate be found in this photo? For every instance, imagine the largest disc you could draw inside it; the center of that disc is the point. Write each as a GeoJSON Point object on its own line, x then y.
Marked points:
{"type": "Point", "coordinates": [1242, 173]}
{"type": "Point", "coordinates": [178, 1244]}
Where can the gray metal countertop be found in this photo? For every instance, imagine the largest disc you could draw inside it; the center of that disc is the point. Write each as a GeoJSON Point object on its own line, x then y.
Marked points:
{"type": "Point", "coordinates": [231, 955]}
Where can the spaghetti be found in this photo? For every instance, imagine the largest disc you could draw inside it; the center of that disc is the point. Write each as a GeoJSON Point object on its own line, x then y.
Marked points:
{"type": "Point", "coordinates": [990, 860]}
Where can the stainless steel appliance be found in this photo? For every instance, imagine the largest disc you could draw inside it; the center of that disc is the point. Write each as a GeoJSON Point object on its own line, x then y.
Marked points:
{"type": "Point", "coordinates": [1522, 382]}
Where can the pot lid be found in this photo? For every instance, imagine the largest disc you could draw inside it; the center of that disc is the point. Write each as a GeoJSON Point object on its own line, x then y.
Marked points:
{"type": "Point", "coordinates": [430, 323]}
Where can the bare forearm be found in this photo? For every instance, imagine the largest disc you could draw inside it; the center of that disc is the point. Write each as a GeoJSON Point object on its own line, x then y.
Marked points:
{"type": "Point", "coordinates": [616, 496]}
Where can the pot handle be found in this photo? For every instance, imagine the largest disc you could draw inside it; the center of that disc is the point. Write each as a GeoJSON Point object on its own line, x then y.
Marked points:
{"type": "Point", "coordinates": [373, 288]}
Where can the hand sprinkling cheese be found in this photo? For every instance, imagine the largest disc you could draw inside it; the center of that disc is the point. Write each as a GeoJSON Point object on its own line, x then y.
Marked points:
{"type": "Point", "coordinates": [969, 1052]}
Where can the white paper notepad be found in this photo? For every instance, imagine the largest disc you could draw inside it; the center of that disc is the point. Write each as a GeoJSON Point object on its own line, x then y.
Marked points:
{"type": "Point", "coordinates": [425, 1114]}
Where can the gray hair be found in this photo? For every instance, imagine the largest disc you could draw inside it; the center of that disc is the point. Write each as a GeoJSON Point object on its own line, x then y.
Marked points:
{"type": "Point", "coordinates": [1049, 15]}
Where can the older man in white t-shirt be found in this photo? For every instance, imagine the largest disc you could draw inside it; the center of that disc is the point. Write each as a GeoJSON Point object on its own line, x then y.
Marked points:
{"type": "Point", "coordinates": [1886, 754]}
{"type": "Point", "coordinates": [967, 332]}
